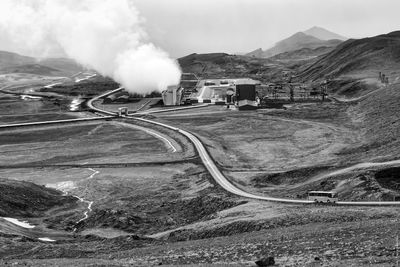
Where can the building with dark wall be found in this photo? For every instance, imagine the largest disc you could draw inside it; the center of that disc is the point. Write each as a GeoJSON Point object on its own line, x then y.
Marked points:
{"type": "Point", "coordinates": [246, 91]}
{"type": "Point", "coordinates": [246, 94]}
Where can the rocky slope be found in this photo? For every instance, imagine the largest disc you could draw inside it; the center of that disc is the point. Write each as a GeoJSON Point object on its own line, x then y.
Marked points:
{"type": "Point", "coordinates": [302, 54]}
{"type": "Point", "coordinates": [222, 65]}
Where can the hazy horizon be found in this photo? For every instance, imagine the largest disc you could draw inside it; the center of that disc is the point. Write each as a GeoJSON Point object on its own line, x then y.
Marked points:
{"type": "Point", "coordinates": [244, 25]}
{"type": "Point", "coordinates": [241, 26]}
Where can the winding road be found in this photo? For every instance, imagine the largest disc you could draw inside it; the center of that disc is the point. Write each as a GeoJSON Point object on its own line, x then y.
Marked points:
{"type": "Point", "coordinates": [217, 174]}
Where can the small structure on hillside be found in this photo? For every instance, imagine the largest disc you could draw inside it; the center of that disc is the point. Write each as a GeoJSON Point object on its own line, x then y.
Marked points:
{"type": "Point", "coordinates": [110, 99]}
{"type": "Point", "coordinates": [122, 111]}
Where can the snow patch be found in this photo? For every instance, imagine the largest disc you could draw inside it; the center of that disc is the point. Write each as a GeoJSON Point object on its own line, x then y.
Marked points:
{"type": "Point", "coordinates": [19, 223]}
{"type": "Point", "coordinates": [51, 85]}
{"type": "Point", "coordinates": [46, 239]}
{"type": "Point", "coordinates": [63, 186]}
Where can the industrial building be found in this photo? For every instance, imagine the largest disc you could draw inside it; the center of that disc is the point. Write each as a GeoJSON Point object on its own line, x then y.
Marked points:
{"type": "Point", "coordinates": [241, 92]}
{"type": "Point", "coordinates": [173, 96]}
{"type": "Point", "coordinates": [246, 95]}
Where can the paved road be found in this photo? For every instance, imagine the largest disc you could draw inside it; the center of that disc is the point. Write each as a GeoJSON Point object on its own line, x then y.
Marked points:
{"type": "Point", "coordinates": [92, 107]}
{"type": "Point", "coordinates": [220, 178]}
{"type": "Point", "coordinates": [215, 172]}
{"type": "Point", "coordinates": [228, 186]}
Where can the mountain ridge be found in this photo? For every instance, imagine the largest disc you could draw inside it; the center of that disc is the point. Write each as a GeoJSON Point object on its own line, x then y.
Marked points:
{"type": "Point", "coordinates": [361, 57]}
{"type": "Point", "coordinates": [11, 62]}
{"type": "Point", "coordinates": [299, 40]}
{"type": "Point", "coordinates": [324, 34]}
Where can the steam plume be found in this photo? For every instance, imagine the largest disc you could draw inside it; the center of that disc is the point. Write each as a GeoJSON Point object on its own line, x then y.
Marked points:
{"type": "Point", "coordinates": [105, 35]}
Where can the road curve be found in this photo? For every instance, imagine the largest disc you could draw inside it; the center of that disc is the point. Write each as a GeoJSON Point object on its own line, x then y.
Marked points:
{"type": "Point", "coordinates": [92, 107]}
{"type": "Point", "coordinates": [215, 172]}
{"type": "Point", "coordinates": [224, 182]}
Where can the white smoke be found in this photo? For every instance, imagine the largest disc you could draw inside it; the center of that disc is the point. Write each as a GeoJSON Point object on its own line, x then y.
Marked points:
{"type": "Point", "coordinates": [106, 35]}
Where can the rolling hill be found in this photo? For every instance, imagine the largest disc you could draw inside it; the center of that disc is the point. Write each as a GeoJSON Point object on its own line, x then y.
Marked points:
{"type": "Point", "coordinates": [222, 65]}
{"type": "Point", "coordinates": [15, 63]}
{"type": "Point", "coordinates": [302, 54]}
{"type": "Point", "coordinates": [8, 59]}
{"type": "Point", "coordinates": [31, 69]}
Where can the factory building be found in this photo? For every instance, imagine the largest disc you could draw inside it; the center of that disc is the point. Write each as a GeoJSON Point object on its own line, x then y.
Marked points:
{"type": "Point", "coordinates": [189, 82]}
{"type": "Point", "coordinates": [173, 95]}
{"type": "Point", "coordinates": [246, 95]}
{"type": "Point", "coordinates": [226, 91]}
{"type": "Point", "coordinates": [240, 92]}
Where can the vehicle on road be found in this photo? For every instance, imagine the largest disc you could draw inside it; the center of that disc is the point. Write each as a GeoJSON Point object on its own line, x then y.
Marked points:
{"type": "Point", "coordinates": [323, 196]}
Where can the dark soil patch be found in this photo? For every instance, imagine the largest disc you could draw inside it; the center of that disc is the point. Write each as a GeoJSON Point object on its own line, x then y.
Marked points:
{"type": "Point", "coordinates": [279, 222]}
{"type": "Point", "coordinates": [389, 178]}
{"type": "Point", "coordinates": [349, 87]}
{"type": "Point", "coordinates": [158, 216]}
{"type": "Point", "coordinates": [25, 199]}
{"type": "Point", "coordinates": [290, 177]}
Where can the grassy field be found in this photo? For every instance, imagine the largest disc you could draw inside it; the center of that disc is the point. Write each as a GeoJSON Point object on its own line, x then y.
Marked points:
{"type": "Point", "coordinates": [37, 117]}
{"type": "Point", "coordinates": [286, 153]}
{"type": "Point", "coordinates": [88, 143]}
{"type": "Point", "coordinates": [269, 140]}
{"type": "Point", "coordinates": [15, 106]}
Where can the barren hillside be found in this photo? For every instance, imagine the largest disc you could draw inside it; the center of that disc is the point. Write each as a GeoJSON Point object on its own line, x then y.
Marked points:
{"type": "Point", "coordinates": [359, 58]}
{"type": "Point", "coordinates": [222, 65]}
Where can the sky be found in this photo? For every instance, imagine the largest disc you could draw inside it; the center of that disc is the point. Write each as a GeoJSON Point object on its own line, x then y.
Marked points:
{"type": "Point", "coordinates": [182, 27]}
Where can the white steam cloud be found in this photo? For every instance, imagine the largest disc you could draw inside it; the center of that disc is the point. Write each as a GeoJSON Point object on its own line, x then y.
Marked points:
{"type": "Point", "coordinates": [106, 35]}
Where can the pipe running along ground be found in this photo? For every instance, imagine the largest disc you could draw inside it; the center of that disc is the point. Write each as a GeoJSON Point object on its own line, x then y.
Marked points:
{"type": "Point", "coordinates": [217, 174]}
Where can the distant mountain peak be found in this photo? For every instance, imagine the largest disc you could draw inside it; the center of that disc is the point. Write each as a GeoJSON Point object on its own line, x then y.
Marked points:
{"type": "Point", "coordinates": [316, 28]}
{"type": "Point", "coordinates": [299, 34]}
{"type": "Point", "coordinates": [323, 34]}
{"type": "Point", "coordinates": [312, 38]}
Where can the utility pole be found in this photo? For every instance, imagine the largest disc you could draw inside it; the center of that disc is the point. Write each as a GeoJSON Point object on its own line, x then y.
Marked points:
{"type": "Point", "coordinates": [291, 92]}
{"type": "Point", "coordinates": [397, 250]}
{"type": "Point", "coordinates": [323, 90]}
